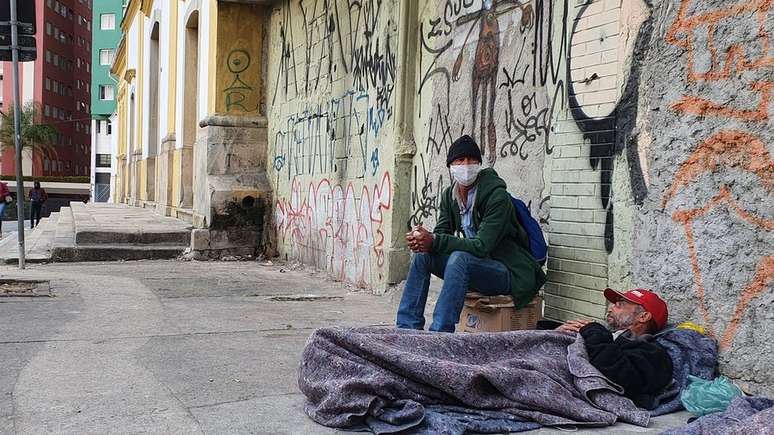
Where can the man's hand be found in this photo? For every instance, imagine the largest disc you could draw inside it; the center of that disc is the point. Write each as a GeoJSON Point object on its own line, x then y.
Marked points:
{"type": "Point", "coordinates": [419, 239]}
{"type": "Point", "coordinates": [573, 326]}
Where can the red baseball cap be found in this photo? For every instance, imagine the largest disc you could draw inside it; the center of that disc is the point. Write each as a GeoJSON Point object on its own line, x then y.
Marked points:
{"type": "Point", "coordinates": [644, 298]}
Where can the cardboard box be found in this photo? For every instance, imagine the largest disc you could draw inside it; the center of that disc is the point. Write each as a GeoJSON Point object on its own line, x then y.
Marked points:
{"type": "Point", "coordinates": [497, 313]}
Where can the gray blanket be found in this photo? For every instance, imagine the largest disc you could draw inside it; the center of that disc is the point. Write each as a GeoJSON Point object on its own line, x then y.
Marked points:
{"type": "Point", "coordinates": [692, 354]}
{"type": "Point", "coordinates": [745, 415]}
{"type": "Point", "coordinates": [385, 380]}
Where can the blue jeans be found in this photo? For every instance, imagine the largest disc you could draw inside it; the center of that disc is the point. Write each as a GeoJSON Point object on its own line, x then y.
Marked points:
{"type": "Point", "coordinates": [460, 271]}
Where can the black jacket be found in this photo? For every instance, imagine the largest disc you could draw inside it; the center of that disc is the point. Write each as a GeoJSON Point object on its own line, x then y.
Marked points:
{"type": "Point", "coordinates": [636, 363]}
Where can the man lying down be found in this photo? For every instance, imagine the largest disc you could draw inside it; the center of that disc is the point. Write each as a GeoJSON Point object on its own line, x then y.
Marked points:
{"type": "Point", "coordinates": [389, 380]}
{"type": "Point", "coordinates": [629, 356]}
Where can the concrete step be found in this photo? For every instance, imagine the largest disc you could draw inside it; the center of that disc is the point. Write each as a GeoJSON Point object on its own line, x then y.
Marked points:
{"type": "Point", "coordinates": [37, 243]}
{"type": "Point", "coordinates": [64, 235]}
{"type": "Point", "coordinates": [103, 252]}
{"type": "Point", "coordinates": [85, 236]}
{"type": "Point", "coordinates": [109, 232]}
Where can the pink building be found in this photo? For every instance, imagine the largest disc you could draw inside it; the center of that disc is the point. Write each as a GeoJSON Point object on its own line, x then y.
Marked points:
{"type": "Point", "coordinates": [59, 83]}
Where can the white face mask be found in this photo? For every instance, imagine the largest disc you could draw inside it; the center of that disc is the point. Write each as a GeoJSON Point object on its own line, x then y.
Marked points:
{"type": "Point", "coordinates": [465, 174]}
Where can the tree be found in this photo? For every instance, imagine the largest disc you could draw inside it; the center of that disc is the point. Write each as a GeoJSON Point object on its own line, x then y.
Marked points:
{"type": "Point", "coordinates": [34, 133]}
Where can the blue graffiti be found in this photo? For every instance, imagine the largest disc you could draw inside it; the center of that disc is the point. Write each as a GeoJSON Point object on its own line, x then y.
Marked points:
{"type": "Point", "coordinates": [327, 136]}
{"type": "Point", "coordinates": [279, 162]}
{"type": "Point", "coordinates": [375, 160]}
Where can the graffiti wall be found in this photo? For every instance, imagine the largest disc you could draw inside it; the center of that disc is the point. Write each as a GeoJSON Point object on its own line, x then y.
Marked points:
{"type": "Point", "coordinates": [638, 131]}
{"type": "Point", "coordinates": [706, 228]}
{"type": "Point", "coordinates": [493, 69]}
{"type": "Point", "coordinates": [329, 91]}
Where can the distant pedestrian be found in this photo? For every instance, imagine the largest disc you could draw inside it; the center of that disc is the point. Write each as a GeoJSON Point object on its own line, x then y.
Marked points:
{"type": "Point", "coordinates": [38, 197]}
{"type": "Point", "coordinates": [5, 198]}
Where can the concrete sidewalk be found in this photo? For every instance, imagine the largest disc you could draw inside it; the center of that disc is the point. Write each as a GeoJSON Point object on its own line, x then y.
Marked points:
{"type": "Point", "coordinates": [174, 347]}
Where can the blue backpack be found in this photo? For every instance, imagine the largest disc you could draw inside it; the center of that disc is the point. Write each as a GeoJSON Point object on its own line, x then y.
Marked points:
{"type": "Point", "coordinates": [537, 243]}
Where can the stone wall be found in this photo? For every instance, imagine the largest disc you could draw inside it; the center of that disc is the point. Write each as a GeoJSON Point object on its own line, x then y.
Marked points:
{"type": "Point", "coordinates": [331, 80]}
{"type": "Point", "coordinates": [704, 229]}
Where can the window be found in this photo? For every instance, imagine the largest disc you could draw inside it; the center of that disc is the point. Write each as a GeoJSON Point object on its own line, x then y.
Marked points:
{"type": "Point", "coordinates": [109, 128]}
{"type": "Point", "coordinates": [99, 126]}
{"type": "Point", "coordinates": [106, 56]}
{"type": "Point", "coordinates": [103, 160]}
{"type": "Point", "coordinates": [48, 29]}
{"type": "Point", "coordinates": [107, 21]}
{"type": "Point", "coordinates": [106, 92]}
{"type": "Point", "coordinates": [48, 110]}
{"type": "Point", "coordinates": [48, 84]}
{"type": "Point", "coordinates": [48, 56]}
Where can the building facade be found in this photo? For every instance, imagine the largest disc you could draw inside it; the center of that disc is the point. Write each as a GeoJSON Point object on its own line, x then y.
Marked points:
{"type": "Point", "coordinates": [106, 34]}
{"type": "Point", "coordinates": [637, 131]}
{"type": "Point", "coordinates": [58, 84]}
{"type": "Point", "coordinates": [185, 148]}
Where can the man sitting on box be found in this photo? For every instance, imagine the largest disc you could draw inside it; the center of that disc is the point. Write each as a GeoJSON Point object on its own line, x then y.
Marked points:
{"type": "Point", "coordinates": [477, 243]}
{"type": "Point", "coordinates": [629, 355]}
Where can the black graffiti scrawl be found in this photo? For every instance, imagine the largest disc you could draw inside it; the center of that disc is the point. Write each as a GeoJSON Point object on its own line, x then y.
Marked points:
{"type": "Point", "coordinates": [470, 51]}
{"type": "Point", "coordinates": [610, 135]}
{"type": "Point", "coordinates": [486, 65]}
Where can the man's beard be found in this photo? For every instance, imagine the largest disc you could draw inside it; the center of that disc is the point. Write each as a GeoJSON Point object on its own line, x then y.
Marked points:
{"type": "Point", "coordinates": [622, 321]}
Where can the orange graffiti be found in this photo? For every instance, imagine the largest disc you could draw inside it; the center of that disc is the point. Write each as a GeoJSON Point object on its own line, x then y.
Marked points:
{"type": "Point", "coordinates": [682, 33]}
{"type": "Point", "coordinates": [728, 149]}
{"type": "Point", "coordinates": [735, 59]}
{"type": "Point", "coordinates": [734, 149]}
{"type": "Point", "coordinates": [702, 106]}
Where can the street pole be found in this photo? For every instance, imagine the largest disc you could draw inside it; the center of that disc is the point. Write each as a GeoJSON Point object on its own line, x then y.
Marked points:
{"type": "Point", "coordinates": [17, 133]}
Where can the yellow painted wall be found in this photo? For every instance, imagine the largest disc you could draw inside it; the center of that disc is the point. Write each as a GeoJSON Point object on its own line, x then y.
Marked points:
{"type": "Point", "coordinates": [212, 66]}
{"type": "Point", "coordinates": [140, 81]}
{"type": "Point", "coordinates": [238, 70]}
{"type": "Point", "coordinates": [142, 169]}
{"type": "Point", "coordinates": [172, 103]}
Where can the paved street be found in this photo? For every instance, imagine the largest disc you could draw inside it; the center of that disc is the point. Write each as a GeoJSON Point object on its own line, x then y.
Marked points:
{"type": "Point", "coordinates": [172, 347]}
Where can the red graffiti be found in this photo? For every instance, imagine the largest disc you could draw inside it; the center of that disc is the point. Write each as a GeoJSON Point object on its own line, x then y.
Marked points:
{"type": "Point", "coordinates": [336, 230]}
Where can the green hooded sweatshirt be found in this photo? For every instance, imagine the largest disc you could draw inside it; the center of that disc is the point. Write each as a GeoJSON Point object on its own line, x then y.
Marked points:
{"type": "Point", "coordinates": [499, 235]}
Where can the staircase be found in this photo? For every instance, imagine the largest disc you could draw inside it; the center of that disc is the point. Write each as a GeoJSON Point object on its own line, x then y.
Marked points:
{"type": "Point", "coordinates": [101, 232]}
